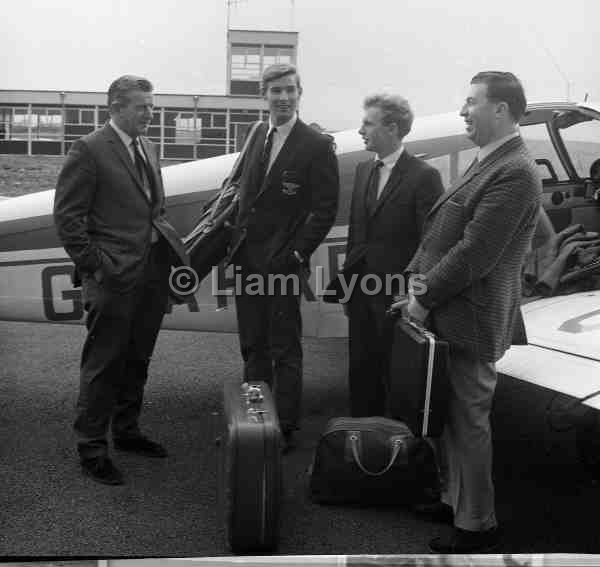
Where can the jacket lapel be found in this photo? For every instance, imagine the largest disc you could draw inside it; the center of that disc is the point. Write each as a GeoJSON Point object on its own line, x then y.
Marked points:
{"type": "Point", "coordinates": [363, 187]}
{"type": "Point", "coordinates": [254, 157]}
{"type": "Point", "coordinates": [393, 181]}
{"type": "Point", "coordinates": [154, 168]}
{"type": "Point", "coordinates": [121, 151]}
{"type": "Point", "coordinates": [286, 153]}
{"type": "Point", "coordinates": [478, 168]}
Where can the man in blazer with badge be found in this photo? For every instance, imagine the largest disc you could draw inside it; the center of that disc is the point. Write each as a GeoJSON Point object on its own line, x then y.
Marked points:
{"type": "Point", "coordinates": [289, 188]}
{"type": "Point", "coordinates": [392, 195]}
{"type": "Point", "coordinates": [474, 244]}
{"type": "Point", "coordinates": [110, 216]}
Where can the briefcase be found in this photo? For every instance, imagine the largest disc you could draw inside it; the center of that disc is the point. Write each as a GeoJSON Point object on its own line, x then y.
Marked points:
{"type": "Point", "coordinates": [372, 461]}
{"type": "Point", "coordinates": [250, 468]}
{"type": "Point", "coordinates": [418, 378]}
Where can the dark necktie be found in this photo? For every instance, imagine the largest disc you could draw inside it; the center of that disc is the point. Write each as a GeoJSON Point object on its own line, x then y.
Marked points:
{"type": "Point", "coordinates": [373, 187]}
{"type": "Point", "coordinates": [143, 170]}
{"type": "Point", "coordinates": [266, 156]}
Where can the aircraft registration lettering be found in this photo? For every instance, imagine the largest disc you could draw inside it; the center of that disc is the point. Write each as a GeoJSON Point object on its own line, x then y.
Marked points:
{"type": "Point", "coordinates": [69, 298]}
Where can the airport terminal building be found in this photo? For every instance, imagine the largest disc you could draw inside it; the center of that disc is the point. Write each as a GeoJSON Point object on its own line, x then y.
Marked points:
{"type": "Point", "coordinates": [184, 126]}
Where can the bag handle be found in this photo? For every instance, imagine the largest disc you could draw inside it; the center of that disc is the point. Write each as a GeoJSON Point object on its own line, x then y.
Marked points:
{"type": "Point", "coordinates": [397, 444]}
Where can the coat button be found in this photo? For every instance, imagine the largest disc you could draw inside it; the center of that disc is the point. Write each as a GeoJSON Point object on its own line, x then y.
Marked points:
{"type": "Point", "coordinates": [252, 210]}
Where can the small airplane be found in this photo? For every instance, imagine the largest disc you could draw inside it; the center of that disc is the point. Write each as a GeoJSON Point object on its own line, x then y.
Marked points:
{"type": "Point", "coordinates": [563, 353]}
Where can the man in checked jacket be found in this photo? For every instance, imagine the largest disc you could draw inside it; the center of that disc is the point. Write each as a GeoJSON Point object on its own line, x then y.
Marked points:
{"type": "Point", "coordinates": [474, 242]}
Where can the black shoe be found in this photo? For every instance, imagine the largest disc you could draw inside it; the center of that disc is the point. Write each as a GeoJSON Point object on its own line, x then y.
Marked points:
{"type": "Point", "coordinates": [437, 512]}
{"type": "Point", "coordinates": [466, 541]}
{"type": "Point", "coordinates": [101, 469]}
{"type": "Point", "coordinates": [141, 446]}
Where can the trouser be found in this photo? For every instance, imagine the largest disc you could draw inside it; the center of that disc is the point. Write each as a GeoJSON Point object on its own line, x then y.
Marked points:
{"type": "Point", "coordinates": [466, 443]}
{"type": "Point", "coordinates": [270, 333]}
{"type": "Point", "coordinates": [122, 331]}
{"type": "Point", "coordinates": [368, 371]}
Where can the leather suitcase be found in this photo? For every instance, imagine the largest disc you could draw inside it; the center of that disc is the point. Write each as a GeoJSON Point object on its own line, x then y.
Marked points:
{"type": "Point", "coordinates": [418, 378]}
{"type": "Point", "coordinates": [250, 475]}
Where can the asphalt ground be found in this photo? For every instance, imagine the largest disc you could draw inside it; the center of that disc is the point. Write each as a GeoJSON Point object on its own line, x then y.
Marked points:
{"type": "Point", "coordinates": [546, 501]}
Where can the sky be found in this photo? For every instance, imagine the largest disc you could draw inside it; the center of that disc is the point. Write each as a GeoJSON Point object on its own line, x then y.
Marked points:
{"type": "Point", "coordinates": [426, 51]}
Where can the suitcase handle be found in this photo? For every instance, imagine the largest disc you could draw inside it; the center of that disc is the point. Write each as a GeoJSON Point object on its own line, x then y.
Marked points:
{"type": "Point", "coordinates": [397, 444]}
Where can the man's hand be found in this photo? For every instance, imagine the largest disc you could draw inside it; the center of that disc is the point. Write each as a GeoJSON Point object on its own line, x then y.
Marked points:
{"type": "Point", "coordinates": [416, 311]}
{"type": "Point", "coordinates": [399, 306]}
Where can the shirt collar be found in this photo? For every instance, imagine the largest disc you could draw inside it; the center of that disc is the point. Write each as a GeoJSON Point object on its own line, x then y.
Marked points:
{"type": "Point", "coordinates": [125, 138]}
{"type": "Point", "coordinates": [488, 149]}
{"type": "Point", "coordinates": [391, 159]}
{"type": "Point", "coordinates": [285, 128]}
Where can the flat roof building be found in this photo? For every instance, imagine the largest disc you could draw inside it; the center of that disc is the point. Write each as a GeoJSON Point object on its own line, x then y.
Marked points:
{"type": "Point", "coordinates": [184, 126]}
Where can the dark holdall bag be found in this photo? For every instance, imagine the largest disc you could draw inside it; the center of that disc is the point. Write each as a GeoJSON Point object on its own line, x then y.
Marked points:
{"type": "Point", "coordinates": [372, 460]}
{"type": "Point", "coordinates": [207, 244]}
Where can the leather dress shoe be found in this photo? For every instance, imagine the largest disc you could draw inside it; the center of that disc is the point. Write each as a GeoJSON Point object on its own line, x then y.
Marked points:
{"type": "Point", "coordinates": [466, 541]}
{"type": "Point", "coordinates": [141, 446]}
{"type": "Point", "coordinates": [438, 512]}
{"type": "Point", "coordinates": [101, 469]}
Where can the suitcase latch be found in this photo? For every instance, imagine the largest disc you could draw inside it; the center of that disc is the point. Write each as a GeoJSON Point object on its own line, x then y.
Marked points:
{"type": "Point", "coordinates": [253, 394]}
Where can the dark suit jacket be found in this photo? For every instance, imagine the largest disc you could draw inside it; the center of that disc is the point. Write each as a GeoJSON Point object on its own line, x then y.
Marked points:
{"type": "Point", "coordinates": [294, 207]}
{"type": "Point", "coordinates": [102, 213]}
{"type": "Point", "coordinates": [474, 244]}
{"type": "Point", "coordinates": [388, 238]}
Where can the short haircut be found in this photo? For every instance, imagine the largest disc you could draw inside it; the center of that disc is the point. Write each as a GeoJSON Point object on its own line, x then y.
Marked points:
{"type": "Point", "coordinates": [276, 71]}
{"type": "Point", "coordinates": [504, 87]}
{"type": "Point", "coordinates": [394, 110]}
{"type": "Point", "coordinates": [120, 88]}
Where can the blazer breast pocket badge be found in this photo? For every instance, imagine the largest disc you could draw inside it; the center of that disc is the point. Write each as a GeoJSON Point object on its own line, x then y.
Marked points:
{"type": "Point", "coordinates": [289, 183]}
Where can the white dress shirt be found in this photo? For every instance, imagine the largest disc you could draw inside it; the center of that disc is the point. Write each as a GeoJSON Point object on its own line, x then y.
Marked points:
{"type": "Point", "coordinates": [127, 139]}
{"type": "Point", "coordinates": [385, 171]}
{"type": "Point", "coordinates": [279, 137]}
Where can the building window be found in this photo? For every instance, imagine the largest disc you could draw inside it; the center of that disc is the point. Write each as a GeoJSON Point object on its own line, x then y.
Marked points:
{"type": "Point", "coordinates": [277, 54]}
{"type": "Point", "coordinates": [245, 62]}
{"type": "Point", "coordinates": [188, 130]}
{"type": "Point", "coordinates": [47, 124]}
{"type": "Point", "coordinates": [87, 116]}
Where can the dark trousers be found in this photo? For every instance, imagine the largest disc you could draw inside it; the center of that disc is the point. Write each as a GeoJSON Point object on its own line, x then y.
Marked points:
{"type": "Point", "coordinates": [270, 331]}
{"type": "Point", "coordinates": [369, 336]}
{"type": "Point", "coordinates": [122, 330]}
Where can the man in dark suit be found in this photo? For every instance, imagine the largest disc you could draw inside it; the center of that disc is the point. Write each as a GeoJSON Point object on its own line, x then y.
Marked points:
{"type": "Point", "coordinates": [289, 189]}
{"type": "Point", "coordinates": [110, 217]}
{"type": "Point", "coordinates": [474, 244]}
{"type": "Point", "coordinates": [392, 194]}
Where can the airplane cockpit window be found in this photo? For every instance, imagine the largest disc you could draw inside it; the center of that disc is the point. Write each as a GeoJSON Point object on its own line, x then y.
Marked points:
{"type": "Point", "coordinates": [539, 143]}
{"type": "Point", "coordinates": [581, 137]}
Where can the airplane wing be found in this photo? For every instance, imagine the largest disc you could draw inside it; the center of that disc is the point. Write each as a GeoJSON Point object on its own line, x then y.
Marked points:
{"type": "Point", "coordinates": [563, 353]}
